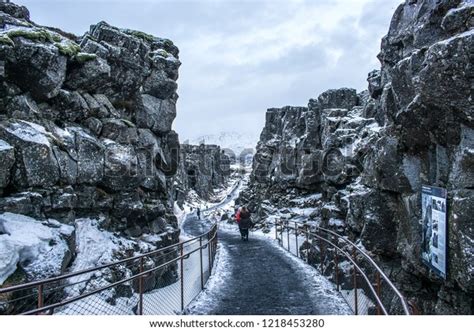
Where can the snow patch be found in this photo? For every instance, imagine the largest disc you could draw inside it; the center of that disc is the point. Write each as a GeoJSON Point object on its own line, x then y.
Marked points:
{"type": "Point", "coordinates": [28, 131]}
{"type": "Point", "coordinates": [219, 279]}
{"type": "Point", "coordinates": [38, 248]}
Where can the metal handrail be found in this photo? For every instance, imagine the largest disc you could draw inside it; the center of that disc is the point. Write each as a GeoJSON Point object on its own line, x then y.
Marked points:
{"type": "Point", "coordinates": [210, 243]}
{"type": "Point", "coordinates": [285, 224]}
{"type": "Point", "coordinates": [86, 271]}
{"type": "Point", "coordinates": [359, 269]}
{"type": "Point", "coordinates": [379, 270]}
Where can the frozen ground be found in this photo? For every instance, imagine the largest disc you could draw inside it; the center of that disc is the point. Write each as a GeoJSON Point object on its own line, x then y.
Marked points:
{"type": "Point", "coordinates": [39, 247]}
{"type": "Point", "coordinates": [260, 278]}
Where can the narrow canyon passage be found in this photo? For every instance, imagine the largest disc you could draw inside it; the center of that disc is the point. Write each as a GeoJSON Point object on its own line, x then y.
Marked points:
{"type": "Point", "coordinates": [259, 278]}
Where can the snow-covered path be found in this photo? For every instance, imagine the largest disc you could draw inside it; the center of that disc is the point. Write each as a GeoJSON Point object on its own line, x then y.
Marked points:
{"type": "Point", "coordinates": [259, 278]}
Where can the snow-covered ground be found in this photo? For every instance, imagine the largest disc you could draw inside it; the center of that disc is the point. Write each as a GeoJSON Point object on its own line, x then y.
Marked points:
{"type": "Point", "coordinates": [39, 247]}
{"type": "Point", "coordinates": [162, 301]}
{"type": "Point", "coordinates": [223, 199]}
{"type": "Point", "coordinates": [219, 278]}
{"type": "Point", "coordinates": [316, 286]}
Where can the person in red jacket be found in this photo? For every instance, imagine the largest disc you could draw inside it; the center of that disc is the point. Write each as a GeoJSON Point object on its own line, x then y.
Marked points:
{"type": "Point", "coordinates": [245, 223]}
{"type": "Point", "coordinates": [237, 215]}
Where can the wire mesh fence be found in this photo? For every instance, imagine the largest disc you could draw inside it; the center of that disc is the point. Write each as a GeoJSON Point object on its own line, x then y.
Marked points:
{"type": "Point", "coordinates": [361, 282]}
{"type": "Point", "coordinates": [162, 282]}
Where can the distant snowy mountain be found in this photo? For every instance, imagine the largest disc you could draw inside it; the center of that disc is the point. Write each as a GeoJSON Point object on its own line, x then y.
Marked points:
{"type": "Point", "coordinates": [235, 141]}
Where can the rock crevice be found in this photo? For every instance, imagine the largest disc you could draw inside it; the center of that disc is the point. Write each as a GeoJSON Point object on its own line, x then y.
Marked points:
{"type": "Point", "coordinates": [368, 154]}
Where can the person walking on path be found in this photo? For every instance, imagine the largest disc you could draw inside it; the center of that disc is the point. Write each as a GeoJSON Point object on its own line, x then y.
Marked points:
{"type": "Point", "coordinates": [198, 213]}
{"type": "Point", "coordinates": [245, 223]}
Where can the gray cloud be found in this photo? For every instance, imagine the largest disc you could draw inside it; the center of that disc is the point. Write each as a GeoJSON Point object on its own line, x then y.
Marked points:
{"type": "Point", "coordinates": [242, 57]}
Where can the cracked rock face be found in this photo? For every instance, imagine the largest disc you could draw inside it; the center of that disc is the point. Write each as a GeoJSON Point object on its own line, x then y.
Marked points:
{"type": "Point", "coordinates": [85, 125]}
{"type": "Point", "coordinates": [368, 154]}
{"type": "Point", "coordinates": [203, 169]}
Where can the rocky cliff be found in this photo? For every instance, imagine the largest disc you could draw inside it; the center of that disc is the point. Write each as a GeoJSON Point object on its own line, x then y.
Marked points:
{"type": "Point", "coordinates": [368, 154]}
{"type": "Point", "coordinates": [85, 133]}
{"type": "Point", "coordinates": [202, 168]}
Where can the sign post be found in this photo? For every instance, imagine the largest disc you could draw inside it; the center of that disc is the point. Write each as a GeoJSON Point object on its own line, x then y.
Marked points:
{"type": "Point", "coordinates": [434, 228]}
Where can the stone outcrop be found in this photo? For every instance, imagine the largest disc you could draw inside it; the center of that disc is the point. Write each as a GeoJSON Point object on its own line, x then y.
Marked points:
{"type": "Point", "coordinates": [85, 125]}
{"type": "Point", "coordinates": [369, 153]}
{"type": "Point", "coordinates": [202, 168]}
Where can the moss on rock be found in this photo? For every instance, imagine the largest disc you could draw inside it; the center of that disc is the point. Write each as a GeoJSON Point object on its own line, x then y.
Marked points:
{"type": "Point", "coordinates": [35, 35]}
{"type": "Point", "coordinates": [5, 40]}
{"type": "Point", "coordinates": [68, 48]}
{"type": "Point", "coordinates": [84, 57]}
{"type": "Point", "coordinates": [141, 35]}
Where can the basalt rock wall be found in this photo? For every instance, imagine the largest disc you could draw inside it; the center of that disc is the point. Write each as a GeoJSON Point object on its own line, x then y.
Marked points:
{"type": "Point", "coordinates": [368, 154]}
{"type": "Point", "coordinates": [202, 168]}
{"type": "Point", "coordinates": [86, 125]}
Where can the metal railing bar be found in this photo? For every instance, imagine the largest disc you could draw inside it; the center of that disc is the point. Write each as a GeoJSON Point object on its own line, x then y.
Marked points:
{"type": "Point", "coordinates": [358, 269]}
{"type": "Point", "coordinates": [81, 272]}
{"type": "Point", "coordinates": [382, 274]}
{"type": "Point", "coordinates": [372, 262]}
{"type": "Point", "coordinates": [83, 296]}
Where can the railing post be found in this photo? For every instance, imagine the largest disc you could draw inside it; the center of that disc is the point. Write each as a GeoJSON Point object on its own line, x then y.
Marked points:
{"type": "Point", "coordinates": [216, 240]}
{"type": "Point", "coordinates": [209, 252]}
{"type": "Point", "coordinates": [40, 296]}
{"type": "Point", "coordinates": [200, 262]}
{"type": "Point", "coordinates": [288, 235]}
{"type": "Point", "coordinates": [307, 242]}
{"type": "Point", "coordinates": [336, 268]}
{"type": "Point", "coordinates": [296, 240]}
{"type": "Point", "coordinates": [276, 230]}
{"type": "Point", "coordinates": [140, 288]}
{"type": "Point", "coordinates": [321, 254]}
{"type": "Point", "coordinates": [377, 278]}
{"type": "Point", "coordinates": [182, 276]}
{"type": "Point", "coordinates": [356, 303]}
{"type": "Point", "coordinates": [281, 233]}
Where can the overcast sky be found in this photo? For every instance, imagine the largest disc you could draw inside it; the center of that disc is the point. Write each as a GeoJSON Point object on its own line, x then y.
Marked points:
{"type": "Point", "coordinates": [241, 57]}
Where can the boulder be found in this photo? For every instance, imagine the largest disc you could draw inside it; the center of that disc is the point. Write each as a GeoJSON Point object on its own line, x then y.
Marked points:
{"type": "Point", "coordinates": [88, 74]}
{"type": "Point", "coordinates": [46, 67]}
{"type": "Point", "coordinates": [14, 10]}
{"type": "Point", "coordinates": [35, 161]}
{"type": "Point", "coordinates": [447, 71]}
{"type": "Point", "coordinates": [375, 83]}
{"type": "Point", "coordinates": [90, 155]}
{"type": "Point", "coordinates": [459, 19]}
{"type": "Point", "coordinates": [155, 114]}
{"type": "Point", "coordinates": [159, 85]}
{"type": "Point", "coordinates": [7, 155]}
{"type": "Point", "coordinates": [119, 130]}
{"type": "Point", "coordinates": [24, 203]}
{"type": "Point", "coordinates": [127, 57]}
{"type": "Point", "coordinates": [22, 107]}
{"type": "Point", "coordinates": [341, 98]}
{"type": "Point", "coordinates": [40, 249]}
{"type": "Point", "coordinates": [382, 168]}
{"type": "Point", "coordinates": [120, 167]}
{"type": "Point", "coordinates": [71, 106]}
